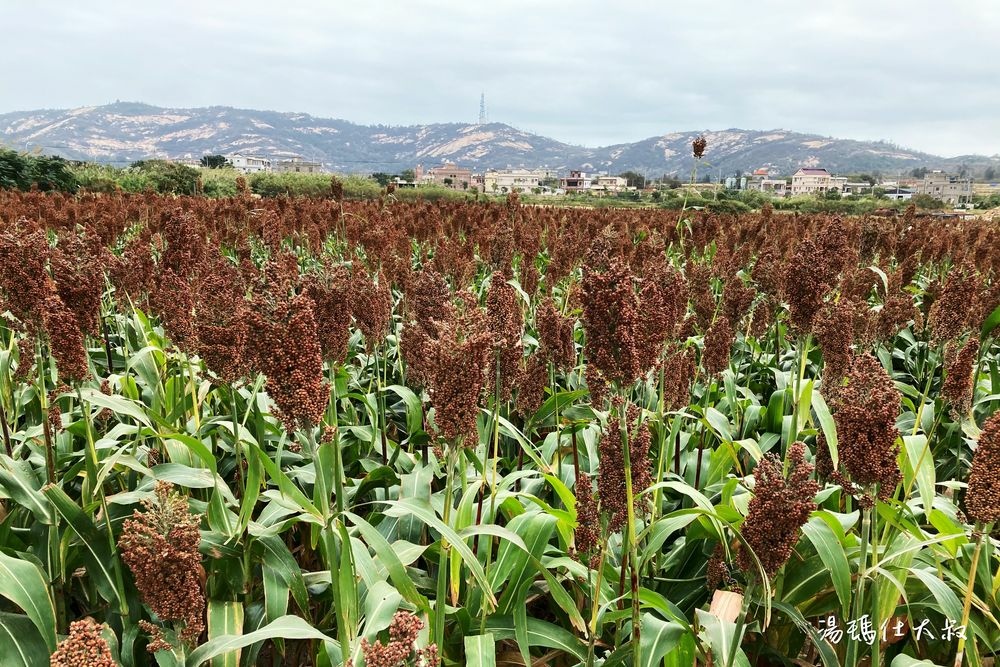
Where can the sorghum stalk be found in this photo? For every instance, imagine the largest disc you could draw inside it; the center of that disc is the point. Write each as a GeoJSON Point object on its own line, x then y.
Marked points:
{"type": "Point", "coordinates": [741, 624]}
{"type": "Point", "coordinates": [195, 409]}
{"type": "Point", "coordinates": [3, 425]}
{"type": "Point", "coordinates": [924, 395]}
{"type": "Point", "coordinates": [107, 346]}
{"type": "Point", "coordinates": [496, 444]}
{"type": "Point", "coordinates": [552, 380]}
{"type": "Point", "coordinates": [338, 457]}
{"type": "Point", "coordinates": [442, 582]}
{"type": "Point", "coordinates": [967, 605]}
{"type": "Point", "coordinates": [43, 399]}
{"type": "Point", "coordinates": [237, 444]}
{"type": "Point", "coordinates": [633, 552]}
{"type": "Point", "coordinates": [859, 591]}
{"type": "Point", "coordinates": [92, 453]}
{"type": "Point", "coordinates": [802, 358]}
{"type": "Point", "coordinates": [595, 604]}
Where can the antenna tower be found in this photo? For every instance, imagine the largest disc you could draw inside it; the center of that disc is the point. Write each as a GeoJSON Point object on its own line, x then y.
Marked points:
{"type": "Point", "coordinates": [482, 109]}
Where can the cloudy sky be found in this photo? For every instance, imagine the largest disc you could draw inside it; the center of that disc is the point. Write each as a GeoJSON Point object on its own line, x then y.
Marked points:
{"type": "Point", "coordinates": [921, 73]}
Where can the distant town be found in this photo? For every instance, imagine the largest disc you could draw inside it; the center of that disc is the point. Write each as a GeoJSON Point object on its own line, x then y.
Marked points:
{"type": "Point", "coordinates": [947, 188]}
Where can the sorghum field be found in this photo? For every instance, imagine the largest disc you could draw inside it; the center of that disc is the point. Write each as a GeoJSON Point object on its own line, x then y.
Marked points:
{"type": "Point", "coordinates": [251, 431]}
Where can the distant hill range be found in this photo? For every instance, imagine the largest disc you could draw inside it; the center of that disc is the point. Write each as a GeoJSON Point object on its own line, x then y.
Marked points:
{"type": "Point", "coordinates": [124, 132]}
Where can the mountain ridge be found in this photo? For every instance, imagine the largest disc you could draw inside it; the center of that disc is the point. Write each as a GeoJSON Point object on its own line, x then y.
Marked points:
{"type": "Point", "coordinates": [123, 132]}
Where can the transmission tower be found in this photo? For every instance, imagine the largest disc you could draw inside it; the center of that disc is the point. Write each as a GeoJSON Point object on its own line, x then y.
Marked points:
{"type": "Point", "coordinates": [482, 109]}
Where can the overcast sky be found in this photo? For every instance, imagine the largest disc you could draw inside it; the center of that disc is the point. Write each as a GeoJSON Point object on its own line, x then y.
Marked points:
{"type": "Point", "coordinates": [921, 73]}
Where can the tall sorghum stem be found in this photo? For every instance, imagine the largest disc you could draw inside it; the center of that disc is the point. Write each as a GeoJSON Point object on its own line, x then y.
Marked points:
{"type": "Point", "coordinates": [92, 454]}
{"type": "Point", "coordinates": [859, 590]}
{"type": "Point", "coordinates": [800, 370]}
{"type": "Point", "coordinates": [107, 346]}
{"type": "Point", "coordinates": [442, 575]}
{"type": "Point", "coordinates": [237, 443]}
{"type": "Point", "coordinates": [495, 438]}
{"type": "Point", "coordinates": [338, 456]}
{"type": "Point", "coordinates": [980, 532]}
{"type": "Point", "coordinates": [633, 553]}
{"type": "Point", "coordinates": [6, 431]}
{"type": "Point", "coordinates": [43, 400]}
{"type": "Point", "coordinates": [595, 604]}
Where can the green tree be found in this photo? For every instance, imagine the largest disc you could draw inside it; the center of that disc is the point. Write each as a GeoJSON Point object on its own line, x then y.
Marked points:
{"type": "Point", "coordinates": [408, 175]}
{"type": "Point", "coordinates": [214, 161]}
{"type": "Point", "coordinates": [166, 177]}
{"type": "Point", "coordinates": [633, 179]}
{"type": "Point", "coordinates": [919, 172]}
{"type": "Point", "coordinates": [990, 174]}
{"type": "Point", "coordinates": [382, 178]}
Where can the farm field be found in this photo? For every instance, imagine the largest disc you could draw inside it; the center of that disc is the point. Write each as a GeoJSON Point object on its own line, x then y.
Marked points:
{"type": "Point", "coordinates": [315, 431]}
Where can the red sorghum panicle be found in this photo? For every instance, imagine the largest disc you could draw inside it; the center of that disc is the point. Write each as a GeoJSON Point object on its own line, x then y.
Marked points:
{"type": "Point", "coordinates": [85, 647]}
{"type": "Point", "coordinates": [699, 286]}
{"type": "Point", "coordinates": [79, 278]}
{"type": "Point", "coordinates": [24, 280]}
{"type": "Point", "coordinates": [531, 390]}
{"type": "Point", "coordinates": [898, 309]}
{"type": "Point", "coordinates": [611, 320]}
{"type": "Point", "coordinates": [718, 574]}
{"type": "Point", "coordinates": [865, 412]}
{"type": "Point", "coordinates": [221, 323]}
{"type": "Point", "coordinates": [503, 245]}
{"type": "Point", "coordinates": [679, 368]}
{"type": "Point", "coordinates": [718, 341]}
{"type": "Point", "coordinates": [588, 522]}
{"type": "Point", "coordinates": [330, 292]}
{"type": "Point", "coordinates": [737, 297]}
{"type": "Point", "coordinates": [778, 509]}
{"type": "Point", "coordinates": [556, 333]}
{"type": "Point", "coordinates": [663, 300]}
{"type": "Point", "coordinates": [959, 380]}
{"type": "Point", "coordinates": [955, 308]}
{"type": "Point", "coordinates": [837, 326]}
{"type": "Point", "coordinates": [506, 325]}
{"type": "Point", "coordinates": [428, 307]}
{"type": "Point", "coordinates": [288, 353]}
{"type": "Point", "coordinates": [401, 648]}
{"type": "Point", "coordinates": [371, 306]}
{"type": "Point", "coordinates": [458, 372]}
{"type": "Point", "coordinates": [65, 340]}
{"type": "Point", "coordinates": [982, 500]}
{"type": "Point", "coordinates": [173, 302]}
{"type": "Point", "coordinates": [698, 147]}
{"type": "Point", "coordinates": [160, 547]}
{"type": "Point", "coordinates": [611, 487]}
{"type": "Point", "coordinates": [804, 285]}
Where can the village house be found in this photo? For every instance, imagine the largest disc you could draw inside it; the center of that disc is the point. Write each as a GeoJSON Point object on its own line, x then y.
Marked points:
{"type": "Point", "coordinates": [296, 164]}
{"type": "Point", "coordinates": [249, 164]}
{"type": "Point", "coordinates": [815, 180]}
{"type": "Point", "coordinates": [949, 189]}
{"type": "Point", "coordinates": [762, 182]}
{"type": "Point", "coordinates": [502, 181]}
{"type": "Point", "coordinates": [577, 181]}
{"type": "Point", "coordinates": [448, 175]}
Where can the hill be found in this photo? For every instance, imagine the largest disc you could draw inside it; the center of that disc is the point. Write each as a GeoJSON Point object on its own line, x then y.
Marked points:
{"type": "Point", "coordinates": [123, 132]}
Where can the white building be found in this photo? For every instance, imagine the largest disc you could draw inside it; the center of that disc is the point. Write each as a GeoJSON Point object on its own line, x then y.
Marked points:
{"type": "Point", "coordinates": [899, 194]}
{"type": "Point", "coordinates": [815, 180]}
{"type": "Point", "coordinates": [249, 164]}
{"type": "Point", "coordinates": [502, 181]}
{"type": "Point", "coordinates": [603, 183]}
